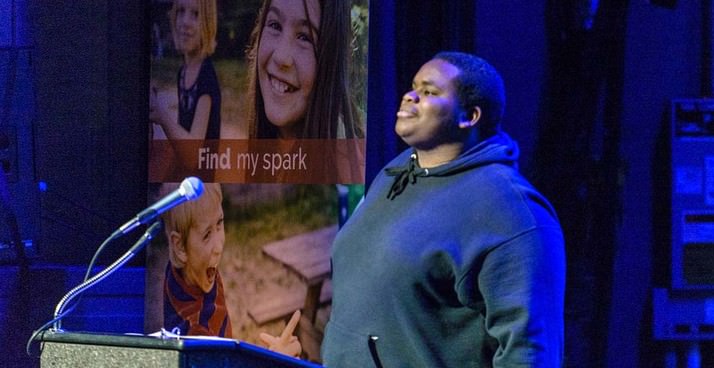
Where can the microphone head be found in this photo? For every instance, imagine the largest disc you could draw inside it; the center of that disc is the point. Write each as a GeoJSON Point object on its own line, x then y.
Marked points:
{"type": "Point", "coordinates": [191, 188]}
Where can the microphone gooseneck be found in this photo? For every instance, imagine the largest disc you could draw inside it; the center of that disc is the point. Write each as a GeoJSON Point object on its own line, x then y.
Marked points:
{"type": "Point", "coordinates": [148, 235]}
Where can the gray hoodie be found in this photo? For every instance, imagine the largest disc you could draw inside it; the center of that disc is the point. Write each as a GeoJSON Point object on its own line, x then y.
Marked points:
{"type": "Point", "coordinates": [460, 265]}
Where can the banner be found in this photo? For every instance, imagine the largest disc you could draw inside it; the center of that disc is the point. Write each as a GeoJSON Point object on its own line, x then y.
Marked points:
{"type": "Point", "coordinates": [265, 101]}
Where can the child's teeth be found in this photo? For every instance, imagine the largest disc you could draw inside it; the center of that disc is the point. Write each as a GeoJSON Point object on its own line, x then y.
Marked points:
{"type": "Point", "coordinates": [280, 86]}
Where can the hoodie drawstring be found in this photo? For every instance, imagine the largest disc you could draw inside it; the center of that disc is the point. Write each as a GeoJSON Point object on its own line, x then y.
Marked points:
{"type": "Point", "coordinates": [404, 177]}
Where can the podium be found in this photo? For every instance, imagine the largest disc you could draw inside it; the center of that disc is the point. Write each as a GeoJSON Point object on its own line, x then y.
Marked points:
{"type": "Point", "coordinates": [92, 350]}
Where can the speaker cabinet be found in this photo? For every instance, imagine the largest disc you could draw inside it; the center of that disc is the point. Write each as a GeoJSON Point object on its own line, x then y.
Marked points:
{"type": "Point", "coordinates": [692, 144]}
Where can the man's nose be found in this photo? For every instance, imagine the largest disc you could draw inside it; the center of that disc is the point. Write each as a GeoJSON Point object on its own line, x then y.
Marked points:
{"type": "Point", "coordinates": [411, 96]}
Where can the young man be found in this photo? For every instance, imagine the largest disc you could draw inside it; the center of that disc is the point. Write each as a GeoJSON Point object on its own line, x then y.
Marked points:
{"type": "Point", "coordinates": [453, 259]}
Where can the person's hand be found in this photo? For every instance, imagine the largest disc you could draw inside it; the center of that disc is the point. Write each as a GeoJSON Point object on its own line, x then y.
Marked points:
{"type": "Point", "coordinates": [158, 107]}
{"type": "Point", "coordinates": [286, 343]}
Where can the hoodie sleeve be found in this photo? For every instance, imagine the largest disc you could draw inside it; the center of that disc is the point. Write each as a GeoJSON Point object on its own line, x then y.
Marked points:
{"type": "Point", "coordinates": [522, 283]}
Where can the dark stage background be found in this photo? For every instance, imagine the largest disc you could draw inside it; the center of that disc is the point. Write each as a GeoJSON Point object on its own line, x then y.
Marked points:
{"type": "Point", "coordinates": [589, 85]}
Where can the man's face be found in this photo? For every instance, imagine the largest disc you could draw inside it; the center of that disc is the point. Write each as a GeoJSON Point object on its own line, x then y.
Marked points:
{"type": "Point", "coordinates": [204, 247]}
{"type": "Point", "coordinates": [430, 112]}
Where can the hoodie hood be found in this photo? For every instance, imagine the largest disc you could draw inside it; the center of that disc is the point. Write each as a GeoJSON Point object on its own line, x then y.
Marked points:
{"type": "Point", "coordinates": [499, 148]}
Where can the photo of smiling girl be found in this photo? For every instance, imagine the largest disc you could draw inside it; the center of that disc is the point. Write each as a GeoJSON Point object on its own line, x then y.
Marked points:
{"type": "Point", "coordinates": [193, 28]}
{"type": "Point", "coordinates": [299, 71]}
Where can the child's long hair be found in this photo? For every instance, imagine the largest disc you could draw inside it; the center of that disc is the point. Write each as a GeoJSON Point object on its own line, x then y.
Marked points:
{"type": "Point", "coordinates": [208, 17]}
{"type": "Point", "coordinates": [330, 104]}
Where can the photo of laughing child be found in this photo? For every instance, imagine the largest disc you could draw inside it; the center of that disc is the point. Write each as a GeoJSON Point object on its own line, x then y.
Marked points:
{"type": "Point", "coordinates": [194, 296]}
{"type": "Point", "coordinates": [194, 300]}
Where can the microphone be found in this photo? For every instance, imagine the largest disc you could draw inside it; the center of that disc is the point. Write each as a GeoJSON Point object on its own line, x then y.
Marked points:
{"type": "Point", "coordinates": [190, 189]}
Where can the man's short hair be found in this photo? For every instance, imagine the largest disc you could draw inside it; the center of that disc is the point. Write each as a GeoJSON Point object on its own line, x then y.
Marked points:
{"type": "Point", "coordinates": [182, 218]}
{"type": "Point", "coordinates": [478, 84]}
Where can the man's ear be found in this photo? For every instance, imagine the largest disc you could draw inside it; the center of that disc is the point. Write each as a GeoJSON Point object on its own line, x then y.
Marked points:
{"type": "Point", "coordinates": [177, 244]}
{"type": "Point", "coordinates": [475, 117]}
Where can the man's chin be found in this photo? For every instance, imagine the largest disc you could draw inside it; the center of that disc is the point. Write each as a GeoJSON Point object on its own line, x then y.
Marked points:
{"type": "Point", "coordinates": [407, 137]}
{"type": "Point", "coordinates": [402, 133]}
